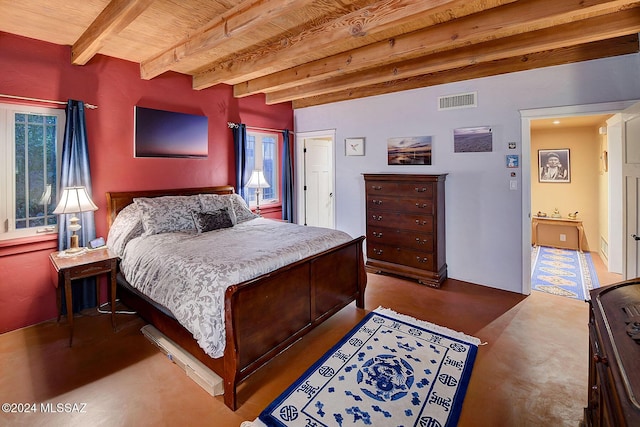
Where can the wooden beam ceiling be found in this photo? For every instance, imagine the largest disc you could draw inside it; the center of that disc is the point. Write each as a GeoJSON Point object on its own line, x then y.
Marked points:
{"type": "Point", "coordinates": [310, 52]}
{"type": "Point", "coordinates": [501, 23]}
{"type": "Point", "coordinates": [117, 15]}
{"type": "Point", "coordinates": [242, 19]}
{"type": "Point", "coordinates": [600, 28]}
{"type": "Point", "coordinates": [383, 19]}
{"type": "Point", "coordinates": [589, 51]}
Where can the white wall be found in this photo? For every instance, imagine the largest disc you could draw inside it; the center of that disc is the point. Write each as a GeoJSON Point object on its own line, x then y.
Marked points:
{"type": "Point", "coordinates": [484, 219]}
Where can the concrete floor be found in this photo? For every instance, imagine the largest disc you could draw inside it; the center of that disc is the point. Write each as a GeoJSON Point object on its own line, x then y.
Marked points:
{"type": "Point", "coordinates": [532, 371]}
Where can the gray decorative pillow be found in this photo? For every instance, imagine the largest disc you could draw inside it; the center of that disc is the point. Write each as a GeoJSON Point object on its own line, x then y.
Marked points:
{"type": "Point", "coordinates": [242, 211]}
{"type": "Point", "coordinates": [213, 202]}
{"type": "Point", "coordinates": [209, 221]}
{"type": "Point", "coordinates": [125, 227]}
{"type": "Point", "coordinates": [167, 213]}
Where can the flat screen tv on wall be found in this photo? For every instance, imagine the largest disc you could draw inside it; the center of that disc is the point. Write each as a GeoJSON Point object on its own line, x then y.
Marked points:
{"type": "Point", "coordinates": [161, 133]}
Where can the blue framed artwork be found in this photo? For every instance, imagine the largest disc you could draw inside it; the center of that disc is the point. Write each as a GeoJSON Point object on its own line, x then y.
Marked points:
{"type": "Point", "coordinates": [513, 160]}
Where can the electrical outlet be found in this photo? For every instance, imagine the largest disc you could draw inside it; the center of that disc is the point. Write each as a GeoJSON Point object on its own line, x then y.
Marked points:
{"type": "Point", "coordinates": [513, 184]}
{"type": "Point", "coordinates": [563, 237]}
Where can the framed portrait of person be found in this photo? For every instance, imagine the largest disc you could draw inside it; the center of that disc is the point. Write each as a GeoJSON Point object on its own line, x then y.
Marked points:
{"type": "Point", "coordinates": [554, 165]}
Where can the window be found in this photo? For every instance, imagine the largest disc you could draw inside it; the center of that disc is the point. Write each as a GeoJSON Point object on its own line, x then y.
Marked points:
{"type": "Point", "coordinates": [30, 140]}
{"type": "Point", "coordinates": [262, 153]}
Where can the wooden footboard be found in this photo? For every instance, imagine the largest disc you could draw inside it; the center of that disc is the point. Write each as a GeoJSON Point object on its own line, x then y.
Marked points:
{"type": "Point", "coordinates": [291, 301]}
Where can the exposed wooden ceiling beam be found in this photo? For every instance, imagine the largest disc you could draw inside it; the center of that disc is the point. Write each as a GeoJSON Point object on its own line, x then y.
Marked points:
{"type": "Point", "coordinates": [600, 49]}
{"type": "Point", "coordinates": [115, 17]}
{"type": "Point", "coordinates": [600, 28]}
{"type": "Point", "coordinates": [239, 20]}
{"type": "Point", "coordinates": [347, 32]}
{"type": "Point", "coordinates": [500, 22]}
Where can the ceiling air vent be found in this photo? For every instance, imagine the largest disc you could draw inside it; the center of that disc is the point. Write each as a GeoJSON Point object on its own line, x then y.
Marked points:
{"type": "Point", "coordinates": [461, 100]}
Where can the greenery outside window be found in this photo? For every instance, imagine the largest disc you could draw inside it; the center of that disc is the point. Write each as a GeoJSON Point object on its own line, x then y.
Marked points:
{"type": "Point", "coordinates": [30, 143]}
{"type": "Point", "coordinates": [263, 153]}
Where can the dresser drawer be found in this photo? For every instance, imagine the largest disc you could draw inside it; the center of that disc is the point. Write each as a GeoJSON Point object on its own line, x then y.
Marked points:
{"type": "Point", "coordinates": [400, 238]}
{"type": "Point", "coordinates": [89, 270]}
{"type": "Point", "coordinates": [403, 189]}
{"type": "Point", "coordinates": [410, 204]}
{"type": "Point", "coordinates": [421, 223]}
{"type": "Point", "coordinates": [397, 255]}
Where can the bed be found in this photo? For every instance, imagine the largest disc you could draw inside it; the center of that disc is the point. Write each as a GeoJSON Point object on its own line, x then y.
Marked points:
{"type": "Point", "coordinates": [292, 299]}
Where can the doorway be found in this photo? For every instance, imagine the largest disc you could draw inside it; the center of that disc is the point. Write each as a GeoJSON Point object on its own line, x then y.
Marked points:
{"type": "Point", "coordinates": [529, 162]}
{"type": "Point", "coordinates": [315, 178]}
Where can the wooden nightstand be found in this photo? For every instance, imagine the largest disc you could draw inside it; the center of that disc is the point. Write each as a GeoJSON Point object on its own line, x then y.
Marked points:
{"type": "Point", "coordinates": [87, 264]}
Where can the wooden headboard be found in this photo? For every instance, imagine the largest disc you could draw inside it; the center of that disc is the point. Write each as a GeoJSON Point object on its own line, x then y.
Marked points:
{"type": "Point", "coordinates": [117, 200]}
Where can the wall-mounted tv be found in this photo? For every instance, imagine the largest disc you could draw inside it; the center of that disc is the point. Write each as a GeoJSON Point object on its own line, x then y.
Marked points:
{"type": "Point", "coordinates": [161, 133]}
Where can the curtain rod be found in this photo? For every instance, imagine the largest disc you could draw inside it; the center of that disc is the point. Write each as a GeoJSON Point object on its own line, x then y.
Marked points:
{"type": "Point", "coordinates": [235, 125]}
{"type": "Point", "coordinates": [48, 101]}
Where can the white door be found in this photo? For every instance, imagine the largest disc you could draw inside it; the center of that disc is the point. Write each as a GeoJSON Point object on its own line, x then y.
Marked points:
{"type": "Point", "coordinates": [631, 179]}
{"type": "Point", "coordinates": [318, 182]}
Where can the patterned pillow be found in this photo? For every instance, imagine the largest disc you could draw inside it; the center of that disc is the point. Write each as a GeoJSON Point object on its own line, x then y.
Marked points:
{"type": "Point", "coordinates": [213, 202]}
{"type": "Point", "coordinates": [242, 211]}
{"type": "Point", "coordinates": [167, 213]}
{"type": "Point", "coordinates": [209, 221]}
{"type": "Point", "coordinates": [125, 227]}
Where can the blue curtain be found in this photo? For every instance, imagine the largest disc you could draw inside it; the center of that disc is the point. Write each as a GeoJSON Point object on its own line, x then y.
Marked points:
{"type": "Point", "coordinates": [75, 171]}
{"type": "Point", "coordinates": [287, 178]}
{"type": "Point", "coordinates": [240, 148]}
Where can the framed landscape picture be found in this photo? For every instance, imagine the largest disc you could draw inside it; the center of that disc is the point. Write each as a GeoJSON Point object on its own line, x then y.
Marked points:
{"type": "Point", "coordinates": [413, 150]}
{"type": "Point", "coordinates": [473, 140]}
{"type": "Point", "coordinates": [554, 165]}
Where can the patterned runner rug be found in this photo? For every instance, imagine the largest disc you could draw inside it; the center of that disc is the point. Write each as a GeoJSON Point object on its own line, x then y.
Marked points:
{"type": "Point", "coordinates": [563, 272]}
{"type": "Point", "coordinates": [390, 370]}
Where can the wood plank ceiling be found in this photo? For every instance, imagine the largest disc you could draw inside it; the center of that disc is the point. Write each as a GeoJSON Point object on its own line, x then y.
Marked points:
{"type": "Point", "coordinates": [313, 52]}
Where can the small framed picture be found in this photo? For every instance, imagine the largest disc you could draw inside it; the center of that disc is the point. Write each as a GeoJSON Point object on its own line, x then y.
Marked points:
{"type": "Point", "coordinates": [354, 146]}
{"type": "Point", "coordinates": [554, 165]}
{"type": "Point", "coordinates": [513, 160]}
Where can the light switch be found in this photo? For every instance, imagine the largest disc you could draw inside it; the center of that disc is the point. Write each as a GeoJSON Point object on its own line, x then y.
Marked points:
{"type": "Point", "coordinates": [513, 184]}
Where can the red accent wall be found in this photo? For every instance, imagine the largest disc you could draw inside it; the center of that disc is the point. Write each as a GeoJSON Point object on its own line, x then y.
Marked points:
{"type": "Point", "coordinates": [36, 69]}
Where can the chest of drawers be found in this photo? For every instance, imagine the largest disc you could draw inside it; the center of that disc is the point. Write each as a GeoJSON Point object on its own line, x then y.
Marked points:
{"type": "Point", "coordinates": [405, 226]}
{"type": "Point", "coordinates": [614, 356]}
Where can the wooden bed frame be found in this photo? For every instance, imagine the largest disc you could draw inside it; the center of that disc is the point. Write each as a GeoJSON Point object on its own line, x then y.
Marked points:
{"type": "Point", "coordinates": [265, 315]}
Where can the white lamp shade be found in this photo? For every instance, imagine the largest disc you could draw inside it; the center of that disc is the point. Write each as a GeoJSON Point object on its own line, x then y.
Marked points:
{"type": "Point", "coordinates": [73, 200]}
{"type": "Point", "coordinates": [257, 180]}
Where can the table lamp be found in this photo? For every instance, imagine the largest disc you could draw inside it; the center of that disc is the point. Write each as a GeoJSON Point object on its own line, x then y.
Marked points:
{"type": "Point", "coordinates": [257, 181]}
{"type": "Point", "coordinates": [74, 200]}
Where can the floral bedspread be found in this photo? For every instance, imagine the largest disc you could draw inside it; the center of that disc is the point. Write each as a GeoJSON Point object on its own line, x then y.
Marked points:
{"type": "Point", "coordinates": [188, 273]}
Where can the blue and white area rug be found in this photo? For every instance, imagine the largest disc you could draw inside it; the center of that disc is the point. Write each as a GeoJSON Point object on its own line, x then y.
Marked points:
{"type": "Point", "coordinates": [390, 370]}
{"type": "Point", "coordinates": [563, 272]}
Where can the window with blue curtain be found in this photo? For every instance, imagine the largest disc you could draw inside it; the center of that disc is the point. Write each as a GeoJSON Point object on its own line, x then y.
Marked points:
{"type": "Point", "coordinates": [31, 138]}
{"type": "Point", "coordinates": [261, 152]}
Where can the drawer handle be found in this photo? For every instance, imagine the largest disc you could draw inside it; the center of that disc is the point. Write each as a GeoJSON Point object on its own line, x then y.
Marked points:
{"type": "Point", "coordinates": [377, 217]}
{"type": "Point", "coordinates": [376, 202]}
{"type": "Point", "coordinates": [421, 259]}
{"type": "Point", "coordinates": [421, 206]}
{"type": "Point", "coordinates": [421, 222]}
{"type": "Point", "coordinates": [377, 234]}
{"type": "Point", "coordinates": [421, 242]}
{"type": "Point", "coordinates": [421, 190]}
{"type": "Point", "coordinates": [377, 251]}
{"type": "Point", "coordinates": [376, 187]}
{"type": "Point", "coordinates": [600, 359]}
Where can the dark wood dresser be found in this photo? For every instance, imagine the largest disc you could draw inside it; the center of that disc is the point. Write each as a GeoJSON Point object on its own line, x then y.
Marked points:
{"type": "Point", "coordinates": [614, 350]}
{"type": "Point", "coordinates": [405, 226]}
